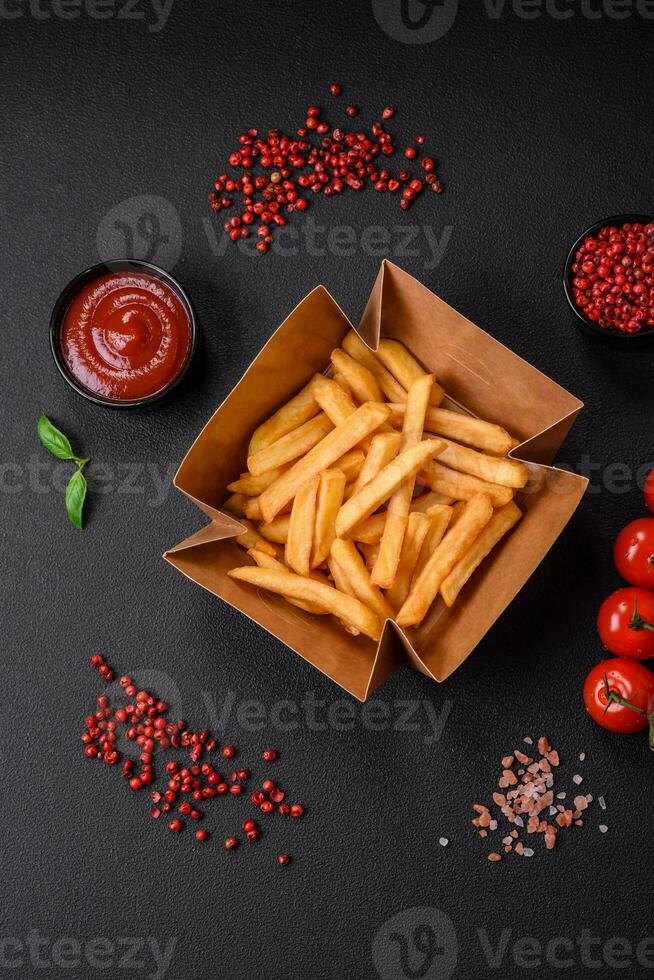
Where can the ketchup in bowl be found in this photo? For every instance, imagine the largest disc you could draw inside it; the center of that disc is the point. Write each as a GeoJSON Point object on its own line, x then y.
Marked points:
{"type": "Point", "coordinates": [126, 335]}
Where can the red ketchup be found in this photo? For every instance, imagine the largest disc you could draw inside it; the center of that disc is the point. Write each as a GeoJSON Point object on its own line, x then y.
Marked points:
{"type": "Point", "coordinates": [126, 335]}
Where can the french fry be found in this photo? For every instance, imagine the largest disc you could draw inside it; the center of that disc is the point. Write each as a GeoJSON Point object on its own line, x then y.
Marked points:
{"type": "Point", "coordinates": [340, 380]}
{"type": "Point", "coordinates": [452, 548]}
{"type": "Point", "coordinates": [290, 416]}
{"type": "Point", "coordinates": [293, 586]}
{"type": "Point", "coordinates": [301, 525]}
{"type": "Point", "coordinates": [361, 382]}
{"type": "Point", "coordinates": [277, 530]}
{"type": "Point", "coordinates": [349, 559]}
{"type": "Point", "coordinates": [252, 486]}
{"type": "Point", "coordinates": [356, 348]}
{"type": "Point", "coordinates": [418, 527]}
{"type": "Point", "coordinates": [267, 561]}
{"type": "Point", "coordinates": [370, 554]}
{"type": "Point", "coordinates": [440, 520]}
{"type": "Point", "coordinates": [383, 448]}
{"type": "Point", "coordinates": [342, 584]}
{"type": "Point", "coordinates": [462, 428]}
{"type": "Point", "coordinates": [457, 509]}
{"type": "Point", "coordinates": [404, 367]}
{"type": "Point", "coordinates": [350, 464]}
{"type": "Point", "coordinates": [500, 524]}
{"type": "Point", "coordinates": [344, 437]}
{"type": "Point", "coordinates": [337, 404]}
{"type": "Point", "coordinates": [250, 538]}
{"type": "Point", "coordinates": [289, 447]}
{"type": "Point", "coordinates": [461, 486]}
{"type": "Point", "coordinates": [374, 493]}
{"type": "Point", "coordinates": [253, 508]}
{"type": "Point", "coordinates": [328, 504]}
{"type": "Point", "coordinates": [507, 472]}
{"type": "Point", "coordinates": [397, 514]}
{"type": "Point", "coordinates": [236, 504]}
{"type": "Point", "coordinates": [370, 530]}
{"type": "Point", "coordinates": [429, 499]}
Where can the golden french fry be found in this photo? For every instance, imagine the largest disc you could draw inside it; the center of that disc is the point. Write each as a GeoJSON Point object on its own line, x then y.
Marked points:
{"type": "Point", "coordinates": [251, 486]}
{"type": "Point", "coordinates": [342, 584]}
{"type": "Point", "coordinates": [349, 559]}
{"type": "Point", "coordinates": [350, 464]}
{"type": "Point", "coordinates": [370, 554]}
{"type": "Point", "coordinates": [452, 548]}
{"type": "Point", "coordinates": [289, 447]}
{"type": "Point", "coordinates": [507, 472]}
{"type": "Point", "coordinates": [440, 520]}
{"type": "Point", "coordinates": [457, 509]}
{"type": "Point", "coordinates": [429, 499]}
{"type": "Point", "coordinates": [236, 504]}
{"type": "Point", "coordinates": [397, 514]}
{"type": "Point", "coordinates": [328, 504]}
{"type": "Point", "coordinates": [360, 380]}
{"type": "Point", "coordinates": [300, 528]}
{"type": "Point", "coordinates": [277, 530]}
{"type": "Point", "coordinates": [337, 404]}
{"type": "Point", "coordinates": [500, 523]}
{"type": "Point", "coordinates": [290, 416]}
{"type": "Point", "coordinates": [370, 497]}
{"type": "Point", "coordinates": [344, 437]}
{"type": "Point", "coordinates": [251, 538]}
{"type": "Point", "coordinates": [403, 366]}
{"type": "Point", "coordinates": [295, 586]}
{"type": "Point", "coordinates": [253, 508]}
{"type": "Point", "coordinates": [383, 448]}
{"type": "Point", "coordinates": [370, 530]}
{"type": "Point", "coordinates": [340, 380]}
{"type": "Point", "coordinates": [267, 561]}
{"type": "Point", "coordinates": [356, 348]}
{"type": "Point", "coordinates": [462, 428]}
{"type": "Point", "coordinates": [461, 486]}
{"type": "Point", "coordinates": [418, 527]}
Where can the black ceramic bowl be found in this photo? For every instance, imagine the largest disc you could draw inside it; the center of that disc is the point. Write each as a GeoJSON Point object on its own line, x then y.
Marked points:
{"type": "Point", "coordinates": [66, 297]}
{"type": "Point", "coordinates": [617, 337]}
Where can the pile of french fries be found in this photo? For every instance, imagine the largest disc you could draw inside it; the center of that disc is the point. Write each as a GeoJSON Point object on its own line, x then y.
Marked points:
{"type": "Point", "coordinates": [365, 500]}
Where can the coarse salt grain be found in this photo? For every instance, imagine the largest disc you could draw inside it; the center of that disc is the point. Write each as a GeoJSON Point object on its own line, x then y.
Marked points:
{"type": "Point", "coordinates": [577, 779]}
{"type": "Point", "coordinates": [528, 852]}
{"type": "Point", "coordinates": [527, 740]}
{"type": "Point", "coordinates": [603, 828]}
{"type": "Point", "coordinates": [582, 756]}
{"type": "Point", "coordinates": [560, 796]}
{"type": "Point", "coordinates": [602, 803]}
{"type": "Point", "coordinates": [493, 825]}
{"type": "Point", "coordinates": [443, 841]}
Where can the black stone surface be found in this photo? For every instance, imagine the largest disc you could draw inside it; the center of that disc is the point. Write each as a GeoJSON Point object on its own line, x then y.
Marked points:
{"type": "Point", "coordinates": [540, 126]}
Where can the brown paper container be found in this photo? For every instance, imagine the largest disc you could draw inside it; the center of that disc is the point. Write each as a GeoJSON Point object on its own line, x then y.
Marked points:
{"type": "Point", "coordinates": [479, 375]}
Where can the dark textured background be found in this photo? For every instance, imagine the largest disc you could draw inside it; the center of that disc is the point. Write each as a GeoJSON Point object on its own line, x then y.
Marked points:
{"type": "Point", "coordinates": [541, 127]}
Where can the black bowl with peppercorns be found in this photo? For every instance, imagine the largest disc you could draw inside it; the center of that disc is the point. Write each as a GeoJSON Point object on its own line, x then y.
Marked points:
{"type": "Point", "coordinates": [608, 280]}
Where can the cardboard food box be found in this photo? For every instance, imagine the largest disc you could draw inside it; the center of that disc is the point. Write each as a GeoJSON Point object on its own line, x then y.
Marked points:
{"type": "Point", "coordinates": [481, 377]}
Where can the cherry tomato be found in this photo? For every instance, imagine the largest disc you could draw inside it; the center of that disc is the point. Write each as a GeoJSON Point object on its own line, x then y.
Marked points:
{"type": "Point", "coordinates": [625, 623]}
{"type": "Point", "coordinates": [649, 491]}
{"type": "Point", "coordinates": [633, 552]}
{"type": "Point", "coordinates": [629, 681]}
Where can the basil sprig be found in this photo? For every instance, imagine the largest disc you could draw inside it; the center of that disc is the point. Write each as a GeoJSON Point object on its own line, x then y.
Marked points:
{"type": "Point", "coordinates": [59, 445]}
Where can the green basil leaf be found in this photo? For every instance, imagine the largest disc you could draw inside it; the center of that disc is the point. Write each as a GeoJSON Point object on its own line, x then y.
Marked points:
{"type": "Point", "coordinates": [75, 497]}
{"type": "Point", "coordinates": [54, 440]}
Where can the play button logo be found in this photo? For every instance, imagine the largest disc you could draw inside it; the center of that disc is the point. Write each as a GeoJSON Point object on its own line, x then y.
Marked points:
{"type": "Point", "coordinates": [416, 944]}
{"type": "Point", "coordinates": [415, 21]}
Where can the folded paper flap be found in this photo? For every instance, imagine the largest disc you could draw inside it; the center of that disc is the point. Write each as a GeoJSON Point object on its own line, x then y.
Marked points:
{"type": "Point", "coordinates": [295, 352]}
{"type": "Point", "coordinates": [473, 367]}
{"type": "Point", "coordinates": [543, 447]}
{"type": "Point", "coordinates": [221, 528]}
